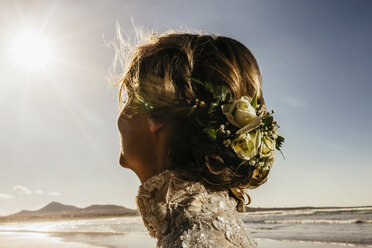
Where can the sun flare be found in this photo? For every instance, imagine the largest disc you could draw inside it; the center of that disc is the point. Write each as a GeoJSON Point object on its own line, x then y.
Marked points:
{"type": "Point", "coordinates": [31, 51]}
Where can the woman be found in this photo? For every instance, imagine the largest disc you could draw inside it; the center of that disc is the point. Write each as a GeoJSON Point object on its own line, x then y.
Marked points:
{"type": "Point", "coordinates": [195, 131]}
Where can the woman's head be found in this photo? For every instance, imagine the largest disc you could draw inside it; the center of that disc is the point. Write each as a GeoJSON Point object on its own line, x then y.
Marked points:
{"type": "Point", "coordinates": [159, 82]}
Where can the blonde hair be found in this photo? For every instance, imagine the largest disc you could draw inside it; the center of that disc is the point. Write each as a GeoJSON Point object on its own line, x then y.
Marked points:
{"type": "Point", "coordinates": [158, 75]}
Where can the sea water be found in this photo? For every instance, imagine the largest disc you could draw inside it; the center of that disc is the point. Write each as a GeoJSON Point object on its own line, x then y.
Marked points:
{"type": "Point", "coordinates": [342, 226]}
{"type": "Point", "coordinates": [348, 226]}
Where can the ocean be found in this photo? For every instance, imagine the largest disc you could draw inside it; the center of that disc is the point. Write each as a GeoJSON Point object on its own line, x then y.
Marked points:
{"type": "Point", "coordinates": [344, 226]}
{"type": "Point", "coordinates": [318, 227]}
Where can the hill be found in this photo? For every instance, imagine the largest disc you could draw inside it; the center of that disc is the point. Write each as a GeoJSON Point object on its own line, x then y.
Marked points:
{"type": "Point", "coordinates": [59, 211]}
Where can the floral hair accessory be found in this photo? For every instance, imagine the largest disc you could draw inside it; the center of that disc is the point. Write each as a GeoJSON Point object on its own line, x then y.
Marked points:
{"type": "Point", "coordinates": [244, 126]}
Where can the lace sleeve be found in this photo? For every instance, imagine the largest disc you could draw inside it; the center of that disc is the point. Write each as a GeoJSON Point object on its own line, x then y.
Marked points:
{"type": "Point", "coordinates": [214, 223]}
{"type": "Point", "coordinates": [181, 213]}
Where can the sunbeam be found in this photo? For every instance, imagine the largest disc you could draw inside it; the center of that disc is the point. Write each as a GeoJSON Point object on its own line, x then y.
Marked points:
{"type": "Point", "coordinates": [31, 50]}
{"type": "Point", "coordinates": [77, 119]}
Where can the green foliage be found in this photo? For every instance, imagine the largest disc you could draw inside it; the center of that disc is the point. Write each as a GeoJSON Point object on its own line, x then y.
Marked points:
{"type": "Point", "coordinates": [267, 120]}
{"type": "Point", "coordinates": [279, 143]}
{"type": "Point", "coordinates": [207, 85]}
{"type": "Point", "coordinates": [221, 96]}
{"type": "Point", "coordinates": [254, 101]}
{"type": "Point", "coordinates": [211, 132]}
{"type": "Point", "coordinates": [224, 93]}
{"type": "Point", "coordinates": [219, 92]}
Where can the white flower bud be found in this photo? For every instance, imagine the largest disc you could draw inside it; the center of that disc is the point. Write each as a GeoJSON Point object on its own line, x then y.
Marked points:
{"type": "Point", "coordinates": [246, 145]}
{"type": "Point", "coordinates": [239, 113]}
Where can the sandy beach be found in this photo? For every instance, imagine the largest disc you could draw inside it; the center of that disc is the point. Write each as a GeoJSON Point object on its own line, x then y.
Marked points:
{"type": "Point", "coordinates": [74, 240]}
{"type": "Point", "coordinates": [37, 240]}
{"type": "Point", "coordinates": [127, 240]}
{"type": "Point", "coordinates": [137, 240]}
{"type": "Point", "coordinates": [127, 232]}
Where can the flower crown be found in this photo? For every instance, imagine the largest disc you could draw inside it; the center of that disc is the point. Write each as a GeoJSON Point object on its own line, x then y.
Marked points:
{"type": "Point", "coordinates": [243, 125]}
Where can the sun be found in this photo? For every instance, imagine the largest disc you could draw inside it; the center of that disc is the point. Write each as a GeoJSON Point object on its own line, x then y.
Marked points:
{"type": "Point", "coordinates": [31, 51]}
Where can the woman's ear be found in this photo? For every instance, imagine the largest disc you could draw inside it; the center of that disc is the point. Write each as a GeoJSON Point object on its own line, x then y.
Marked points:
{"type": "Point", "coordinates": [154, 125]}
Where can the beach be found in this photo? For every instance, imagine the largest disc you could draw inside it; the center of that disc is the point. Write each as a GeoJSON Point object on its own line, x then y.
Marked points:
{"type": "Point", "coordinates": [37, 240]}
{"type": "Point", "coordinates": [137, 240]}
{"type": "Point", "coordinates": [280, 228]}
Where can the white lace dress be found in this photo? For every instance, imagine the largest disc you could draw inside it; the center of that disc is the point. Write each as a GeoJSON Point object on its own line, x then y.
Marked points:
{"type": "Point", "coordinates": [181, 213]}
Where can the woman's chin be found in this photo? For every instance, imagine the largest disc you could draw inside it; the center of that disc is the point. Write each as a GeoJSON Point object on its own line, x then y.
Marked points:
{"type": "Point", "coordinates": [122, 161]}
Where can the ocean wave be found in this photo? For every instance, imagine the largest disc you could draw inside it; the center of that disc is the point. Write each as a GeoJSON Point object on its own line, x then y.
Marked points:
{"type": "Point", "coordinates": [316, 221]}
{"type": "Point", "coordinates": [317, 242]}
{"type": "Point", "coordinates": [306, 211]}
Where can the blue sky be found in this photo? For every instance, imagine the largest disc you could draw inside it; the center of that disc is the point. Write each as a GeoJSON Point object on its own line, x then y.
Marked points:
{"type": "Point", "coordinates": [58, 137]}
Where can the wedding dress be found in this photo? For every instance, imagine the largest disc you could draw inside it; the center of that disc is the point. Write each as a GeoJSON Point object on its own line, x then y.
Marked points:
{"type": "Point", "coordinates": [181, 213]}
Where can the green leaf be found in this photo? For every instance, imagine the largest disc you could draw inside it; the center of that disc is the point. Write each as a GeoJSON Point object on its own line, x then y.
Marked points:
{"type": "Point", "coordinates": [279, 142]}
{"type": "Point", "coordinates": [282, 153]}
{"type": "Point", "coordinates": [211, 132]}
{"type": "Point", "coordinates": [224, 90]}
{"type": "Point", "coordinates": [219, 92]}
{"type": "Point", "coordinates": [254, 101]}
{"type": "Point", "coordinates": [209, 86]}
{"type": "Point", "coordinates": [267, 120]}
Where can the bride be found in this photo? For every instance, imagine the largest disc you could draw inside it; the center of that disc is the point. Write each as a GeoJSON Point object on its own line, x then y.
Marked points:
{"type": "Point", "coordinates": [195, 130]}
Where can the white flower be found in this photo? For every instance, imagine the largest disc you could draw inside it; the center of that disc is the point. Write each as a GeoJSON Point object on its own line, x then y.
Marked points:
{"type": "Point", "coordinates": [267, 147]}
{"type": "Point", "coordinates": [246, 145]}
{"type": "Point", "coordinates": [240, 112]}
{"type": "Point", "coordinates": [251, 126]}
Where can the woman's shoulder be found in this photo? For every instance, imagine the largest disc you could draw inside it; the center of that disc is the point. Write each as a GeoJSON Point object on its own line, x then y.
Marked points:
{"type": "Point", "coordinates": [176, 191]}
{"type": "Point", "coordinates": [178, 211]}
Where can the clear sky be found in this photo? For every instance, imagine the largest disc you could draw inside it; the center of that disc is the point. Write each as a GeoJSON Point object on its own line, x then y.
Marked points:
{"type": "Point", "coordinates": [58, 136]}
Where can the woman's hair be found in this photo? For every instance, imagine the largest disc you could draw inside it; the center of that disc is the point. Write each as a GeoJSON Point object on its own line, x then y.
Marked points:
{"type": "Point", "coordinates": [159, 76]}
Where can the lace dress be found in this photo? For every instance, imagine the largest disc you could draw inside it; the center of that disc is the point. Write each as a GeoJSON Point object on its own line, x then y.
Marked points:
{"type": "Point", "coordinates": [181, 213]}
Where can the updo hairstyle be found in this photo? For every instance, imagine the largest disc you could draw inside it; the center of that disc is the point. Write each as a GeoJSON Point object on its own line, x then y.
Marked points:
{"type": "Point", "coordinates": [158, 78]}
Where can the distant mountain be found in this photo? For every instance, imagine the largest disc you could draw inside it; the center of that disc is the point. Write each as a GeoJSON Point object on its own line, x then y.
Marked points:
{"type": "Point", "coordinates": [57, 207]}
{"type": "Point", "coordinates": [56, 211]}
{"type": "Point", "coordinates": [104, 207]}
